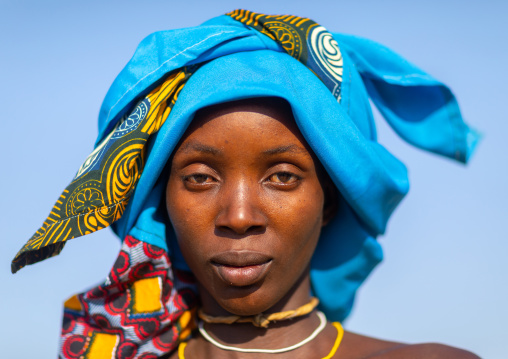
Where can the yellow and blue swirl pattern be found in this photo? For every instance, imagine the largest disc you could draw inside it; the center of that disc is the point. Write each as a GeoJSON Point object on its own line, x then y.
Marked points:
{"type": "Point", "coordinates": [303, 39]}
{"type": "Point", "coordinates": [104, 183]}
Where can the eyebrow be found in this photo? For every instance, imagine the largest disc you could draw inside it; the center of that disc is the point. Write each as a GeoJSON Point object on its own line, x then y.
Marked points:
{"type": "Point", "coordinates": [286, 149]}
{"type": "Point", "coordinates": [199, 147]}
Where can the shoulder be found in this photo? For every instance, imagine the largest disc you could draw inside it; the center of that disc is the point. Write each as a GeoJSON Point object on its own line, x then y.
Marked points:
{"type": "Point", "coordinates": [425, 351]}
{"type": "Point", "coordinates": [360, 346]}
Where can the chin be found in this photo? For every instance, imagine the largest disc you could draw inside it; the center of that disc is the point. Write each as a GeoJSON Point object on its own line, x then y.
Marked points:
{"type": "Point", "coordinates": [262, 297]}
{"type": "Point", "coordinates": [246, 308]}
{"type": "Point", "coordinates": [242, 301]}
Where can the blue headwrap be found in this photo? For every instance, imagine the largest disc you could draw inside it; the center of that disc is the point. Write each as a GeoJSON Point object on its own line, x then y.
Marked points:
{"type": "Point", "coordinates": [245, 64]}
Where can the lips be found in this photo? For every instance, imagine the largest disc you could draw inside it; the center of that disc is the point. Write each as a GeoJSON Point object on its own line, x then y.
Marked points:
{"type": "Point", "coordinates": [241, 268]}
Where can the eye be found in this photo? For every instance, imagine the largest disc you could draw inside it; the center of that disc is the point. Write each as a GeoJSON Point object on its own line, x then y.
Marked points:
{"type": "Point", "coordinates": [198, 178]}
{"type": "Point", "coordinates": [284, 178]}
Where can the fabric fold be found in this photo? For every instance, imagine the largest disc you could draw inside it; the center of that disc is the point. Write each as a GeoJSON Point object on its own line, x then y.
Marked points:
{"type": "Point", "coordinates": [422, 110]}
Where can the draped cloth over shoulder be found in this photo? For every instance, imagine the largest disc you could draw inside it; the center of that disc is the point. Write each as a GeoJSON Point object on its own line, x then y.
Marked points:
{"type": "Point", "coordinates": [326, 78]}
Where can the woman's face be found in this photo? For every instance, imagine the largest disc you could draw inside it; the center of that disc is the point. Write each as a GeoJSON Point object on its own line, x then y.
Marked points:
{"type": "Point", "coordinates": [246, 204]}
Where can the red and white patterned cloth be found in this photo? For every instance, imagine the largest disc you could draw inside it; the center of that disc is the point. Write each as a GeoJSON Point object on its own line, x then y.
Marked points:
{"type": "Point", "coordinates": [140, 311]}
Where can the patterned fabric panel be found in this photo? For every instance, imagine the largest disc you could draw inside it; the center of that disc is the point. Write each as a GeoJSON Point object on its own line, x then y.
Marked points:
{"type": "Point", "coordinates": [140, 311]}
{"type": "Point", "coordinates": [101, 189]}
{"type": "Point", "coordinates": [303, 39]}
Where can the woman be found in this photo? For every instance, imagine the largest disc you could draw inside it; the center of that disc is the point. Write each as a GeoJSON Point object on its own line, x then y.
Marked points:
{"type": "Point", "coordinates": [243, 171]}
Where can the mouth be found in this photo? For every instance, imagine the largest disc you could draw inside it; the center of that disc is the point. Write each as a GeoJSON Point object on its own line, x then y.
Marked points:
{"type": "Point", "coordinates": [240, 269]}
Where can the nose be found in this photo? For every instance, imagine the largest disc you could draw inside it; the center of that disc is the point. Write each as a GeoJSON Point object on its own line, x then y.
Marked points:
{"type": "Point", "coordinates": [240, 211]}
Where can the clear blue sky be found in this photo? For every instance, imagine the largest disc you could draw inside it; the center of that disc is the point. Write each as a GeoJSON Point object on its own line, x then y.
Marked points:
{"type": "Point", "coordinates": [444, 278]}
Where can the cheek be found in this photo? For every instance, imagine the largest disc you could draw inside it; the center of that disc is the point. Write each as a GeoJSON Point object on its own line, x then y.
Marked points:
{"type": "Point", "coordinates": [299, 214]}
{"type": "Point", "coordinates": [189, 219]}
{"type": "Point", "coordinates": [298, 221]}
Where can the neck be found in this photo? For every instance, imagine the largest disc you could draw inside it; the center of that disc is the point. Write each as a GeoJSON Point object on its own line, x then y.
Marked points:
{"type": "Point", "coordinates": [262, 319]}
{"type": "Point", "coordinates": [245, 335]}
{"type": "Point", "coordinates": [280, 336]}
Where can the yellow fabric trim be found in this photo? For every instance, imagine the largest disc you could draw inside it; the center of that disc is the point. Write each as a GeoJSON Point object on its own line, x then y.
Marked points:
{"type": "Point", "coordinates": [338, 340]}
{"type": "Point", "coordinates": [147, 295]}
{"type": "Point", "coordinates": [181, 350]}
{"type": "Point", "coordinates": [73, 303]}
{"type": "Point", "coordinates": [103, 346]}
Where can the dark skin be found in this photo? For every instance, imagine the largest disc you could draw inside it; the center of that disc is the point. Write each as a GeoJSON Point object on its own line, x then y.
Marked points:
{"type": "Point", "coordinates": [247, 199]}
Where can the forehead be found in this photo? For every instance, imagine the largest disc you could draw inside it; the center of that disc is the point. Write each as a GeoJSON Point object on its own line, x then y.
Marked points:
{"type": "Point", "coordinates": [259, 121]}
{"type": "Point", "coordinates": [271, 106]}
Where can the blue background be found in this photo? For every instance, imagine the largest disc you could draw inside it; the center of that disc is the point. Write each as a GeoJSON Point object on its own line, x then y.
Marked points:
{"type": "Point", "coordinates": [444, 278]}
